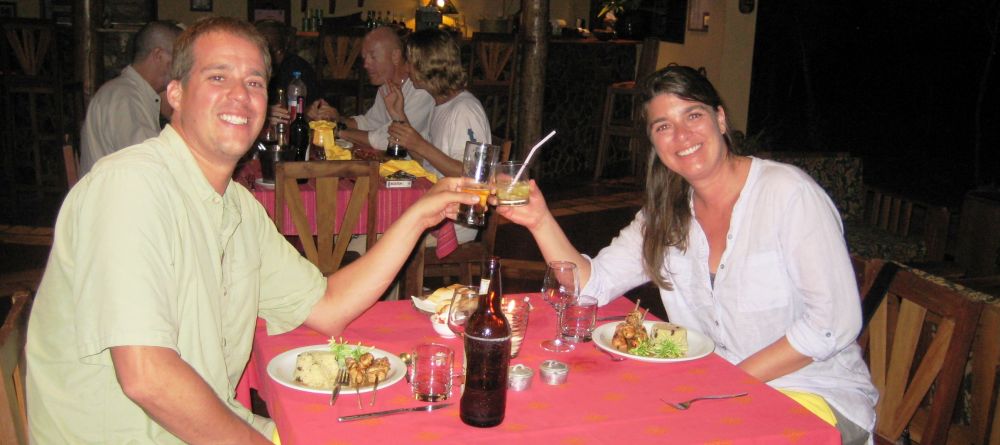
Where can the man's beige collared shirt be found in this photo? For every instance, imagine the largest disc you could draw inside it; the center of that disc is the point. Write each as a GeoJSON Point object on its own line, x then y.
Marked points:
{"type": "Point", "coordinates": [147, 253]}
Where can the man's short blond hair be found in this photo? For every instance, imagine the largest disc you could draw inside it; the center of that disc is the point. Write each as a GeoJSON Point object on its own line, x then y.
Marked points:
{"type": "Point", "coordinates": [180, 69]}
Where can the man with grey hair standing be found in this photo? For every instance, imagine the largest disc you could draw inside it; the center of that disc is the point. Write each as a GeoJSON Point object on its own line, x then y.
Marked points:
{"type": "Point", "coordinates": [126, 109]}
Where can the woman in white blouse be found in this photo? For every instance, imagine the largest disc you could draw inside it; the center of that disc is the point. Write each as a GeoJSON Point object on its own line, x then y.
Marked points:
{"type": "Point", "coordinates": [748, 251]}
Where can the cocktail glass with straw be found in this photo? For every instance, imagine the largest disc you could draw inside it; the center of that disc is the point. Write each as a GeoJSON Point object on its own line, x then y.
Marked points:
{"type": "Point", "coordinates": [560, 285]}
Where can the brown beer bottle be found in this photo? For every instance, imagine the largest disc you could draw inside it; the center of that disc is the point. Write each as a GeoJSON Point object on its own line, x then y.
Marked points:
{"type": "Point", "coordinates": [487, 354]}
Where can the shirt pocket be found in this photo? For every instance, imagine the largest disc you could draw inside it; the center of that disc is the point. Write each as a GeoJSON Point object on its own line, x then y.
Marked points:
{"type": "Point", "coordinates": [765, 284]}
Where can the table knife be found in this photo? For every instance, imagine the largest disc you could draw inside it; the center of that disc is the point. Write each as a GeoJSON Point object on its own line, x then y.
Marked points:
{"type": "Point", "coordinates": [392, 411]}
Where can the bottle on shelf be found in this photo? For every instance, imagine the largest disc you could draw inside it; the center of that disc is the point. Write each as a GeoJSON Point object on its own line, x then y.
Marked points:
{"type": "Point", "coordinates": [487, 354]}
{"type": "Point", "coordinates": [296, 89]}
{"type": "Point", "coordinates": [298, 137]}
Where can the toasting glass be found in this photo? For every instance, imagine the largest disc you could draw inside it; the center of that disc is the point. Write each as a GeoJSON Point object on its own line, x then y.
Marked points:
{"type": "Point", "coordinates": [560, 285]}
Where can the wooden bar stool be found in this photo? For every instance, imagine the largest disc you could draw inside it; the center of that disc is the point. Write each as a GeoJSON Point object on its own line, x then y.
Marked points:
{"type": "Point", "coordinates": [629, 125]}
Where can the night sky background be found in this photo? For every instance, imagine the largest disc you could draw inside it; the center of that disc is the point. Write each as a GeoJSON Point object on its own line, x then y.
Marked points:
{"type": "Point", "coordinates": [895, 82]}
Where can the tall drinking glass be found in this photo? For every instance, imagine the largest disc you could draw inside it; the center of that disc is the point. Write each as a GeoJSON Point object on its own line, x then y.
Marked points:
{"type": "Point", "coordinates": [560, 286]}
{"type": "Point", "coordinates": [477, 168]}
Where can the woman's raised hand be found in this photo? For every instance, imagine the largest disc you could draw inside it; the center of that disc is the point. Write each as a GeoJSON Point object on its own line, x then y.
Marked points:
{"type": "Point", "coordinates": [530, 214]}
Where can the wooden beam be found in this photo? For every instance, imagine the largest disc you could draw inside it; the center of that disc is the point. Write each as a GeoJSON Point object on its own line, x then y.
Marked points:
{"type": "Point", "coordinates": [535, 49]}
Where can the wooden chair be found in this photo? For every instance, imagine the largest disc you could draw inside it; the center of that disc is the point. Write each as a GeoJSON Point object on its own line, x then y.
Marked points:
{"type": "Point", "coordinates": [13, 335]}
{"type": "Point", "coordinates": [340, 74]}
{"type": "Point", "coordinates": [492, 76]}
{"type": "Point", "coordinates": [326, 250]}
{"type": "Point", "coordinates": [32, 98]}
{"type": "Point", "coordinates": [630, 125]}
{"type": "Point", "coordinates": [71, 161]}
{"type": "Point", "coordinates": [919, 337]}
{"type": "Point", "coordinates": [461, 263]}
{"type": "Point", "coordinates": [907, 217]}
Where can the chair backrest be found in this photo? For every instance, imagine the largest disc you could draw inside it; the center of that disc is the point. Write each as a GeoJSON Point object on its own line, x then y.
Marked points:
{"type": "Point", "coordinates": [919, 336]}
{"type": "Point", "coordinates": [338, 53]}
{"type": "Point", "coordinates": [493, 58]}
{"type": "Point", "coordinates": [13, 335]}
{"type": "Point", "coordinates": [905, 216]}
{"type": "Point", "coordinates": [31, 43]}
{"type": "Point", "coordinates": [492, 72]}
{"type": "Point", "coordinates": [362, 180]}
{"type": "Point", "coordinates": [71, 161]}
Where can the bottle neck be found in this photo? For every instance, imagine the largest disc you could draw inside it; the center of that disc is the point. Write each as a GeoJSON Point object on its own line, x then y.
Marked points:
{"type": "Point", "coordinates": [491, 287]}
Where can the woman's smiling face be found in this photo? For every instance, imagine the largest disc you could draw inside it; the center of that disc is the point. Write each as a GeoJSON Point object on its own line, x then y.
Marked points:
{"type": "Point", "coordinates": [687, 135]}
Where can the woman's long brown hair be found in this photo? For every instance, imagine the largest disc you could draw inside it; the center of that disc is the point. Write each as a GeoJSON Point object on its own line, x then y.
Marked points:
{"type": "Point", "coordinates": [667, 209]}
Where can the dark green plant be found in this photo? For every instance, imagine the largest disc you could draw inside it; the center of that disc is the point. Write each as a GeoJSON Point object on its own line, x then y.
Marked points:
{"type": "Point", "coordinates": [617, 6]}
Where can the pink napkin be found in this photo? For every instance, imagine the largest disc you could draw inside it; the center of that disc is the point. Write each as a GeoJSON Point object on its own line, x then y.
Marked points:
{"type": "Point", "coordinates": [447, 241]}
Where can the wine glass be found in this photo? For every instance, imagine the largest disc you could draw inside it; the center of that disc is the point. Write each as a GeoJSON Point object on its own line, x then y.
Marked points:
{"type": "Point", "coordinates": [560, 285]}
{"type": "Point", "coordinates": [463, 303]}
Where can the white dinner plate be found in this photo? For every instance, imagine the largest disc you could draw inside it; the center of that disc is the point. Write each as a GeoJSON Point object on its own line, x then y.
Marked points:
{"type": "Point", "coordinates": [699, 345]}
{"type": "Point", "coordinates": [260, 183]}
{"type": "Point", "coordinates": [344, 143]}
{"type": "Point", "coordinates": [282, 367]}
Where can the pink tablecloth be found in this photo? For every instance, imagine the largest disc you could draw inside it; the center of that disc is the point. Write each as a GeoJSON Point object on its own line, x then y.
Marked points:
{"type": "Point", "coordinates": [603, 402]}
{"type": "Point", "coordinates": [391, 205]}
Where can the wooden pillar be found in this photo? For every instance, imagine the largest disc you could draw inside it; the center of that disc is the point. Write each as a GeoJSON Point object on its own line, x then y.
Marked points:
{"type": "Point", "coordinates": [87, 57]}
{"type": "Point", "coordinates": [535, 49]}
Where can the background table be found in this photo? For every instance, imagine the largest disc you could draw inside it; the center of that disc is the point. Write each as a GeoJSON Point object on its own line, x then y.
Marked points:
{"type": "Point", "coordinates": [392, 202]}
{"type": "Point", "coordinates": [603, 402]}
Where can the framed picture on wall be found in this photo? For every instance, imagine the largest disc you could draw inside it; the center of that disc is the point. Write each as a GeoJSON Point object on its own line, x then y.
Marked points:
{"type": "Point", "coordinates": [280, 10]}
{"type": "Point", "coordinates": [201, 5]}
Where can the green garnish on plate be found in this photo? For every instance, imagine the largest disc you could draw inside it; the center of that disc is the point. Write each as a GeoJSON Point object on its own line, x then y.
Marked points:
{"type": "Point", "coordinates": [342, 350]}
{"type": "Point", "coordinates": [665, 349]}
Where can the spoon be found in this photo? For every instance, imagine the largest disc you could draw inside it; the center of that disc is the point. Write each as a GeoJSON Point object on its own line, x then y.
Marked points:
{"type": "Point", "coordinates": [613, 357]}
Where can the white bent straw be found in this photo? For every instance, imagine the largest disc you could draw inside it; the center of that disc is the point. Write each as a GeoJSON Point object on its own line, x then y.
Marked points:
{"type": "Point", "coordinates": [531, 153]}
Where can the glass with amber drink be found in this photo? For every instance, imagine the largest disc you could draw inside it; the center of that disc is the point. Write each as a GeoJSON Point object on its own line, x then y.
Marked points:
{"type": "Point", "coordinates": [477, 168]}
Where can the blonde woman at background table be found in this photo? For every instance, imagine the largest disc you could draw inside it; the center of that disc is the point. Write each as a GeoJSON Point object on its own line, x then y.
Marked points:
{"type": "Point", "coordinates": [458, 116]}
{"type": "Point", "coordinates": [748, 251]}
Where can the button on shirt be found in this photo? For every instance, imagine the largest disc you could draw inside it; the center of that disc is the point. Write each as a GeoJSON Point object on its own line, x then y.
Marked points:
{"type": "Point", "coordinates": [787, 274]}
{"type": "Point", "coordinates": [147, 253]}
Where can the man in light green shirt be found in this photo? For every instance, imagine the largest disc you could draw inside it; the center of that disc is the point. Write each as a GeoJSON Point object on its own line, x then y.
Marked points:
{"type": "Point", "coordinates": [144, 319]}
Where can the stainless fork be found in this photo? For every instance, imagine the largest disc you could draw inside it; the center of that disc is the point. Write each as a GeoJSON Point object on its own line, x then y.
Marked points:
{"type": "Point", "coordinates": [687, 403]}
{"type": "Point", "coordinates": [342, 379]}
